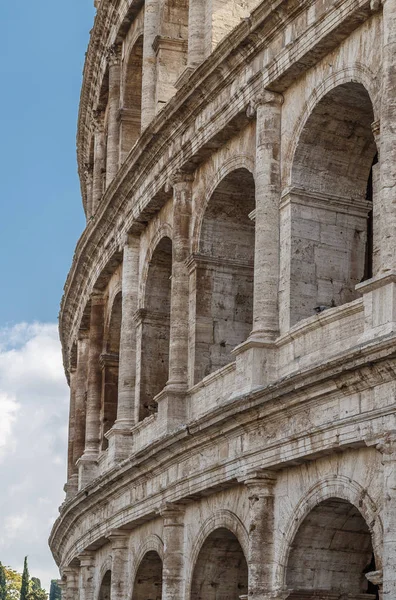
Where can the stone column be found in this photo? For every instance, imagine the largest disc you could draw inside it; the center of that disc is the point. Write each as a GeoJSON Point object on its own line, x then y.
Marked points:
{"type": "Point", "coordinates": [70, 577]}
{"type": "Point", "coordinates": [151, 23]}
{"type": "Point", "coordinates": [173, 565]}
{"type": "Point", "coordinates": [72, 472]}
{"type": "Point", "coordinates": [88, 462]}
{"type": "Point", "coordinates": [375, 577]}
{"type": "Point", "coordinates": [266, 261]}
{"type": "Point", "coordinates": [99, 159]}
{"type": "Point", "coordinates": [388, 137]}
{"type": "Point", "coordinates": [260, 485]}
{"type": "Point", "coordinates": [387, 447]}
{"type": "Point", "coordinates": [87, 576]}
{"type": "Point", "coordinates": [88, 176]}
{"type": "Point", "coordinates": [196, 33]}
{"type": "Point", "coordinates": [119, 564]}
{"type": "Point", "coordinates": [81, 395]}
{"type": "Point", "coordinates": [113, 128]}
{"type": "Point", "coordinates": [172, 403]}
{"type": "Point", "coordinates": [255, 358]}
{"type": "Point", "coordinates": [120, 436]}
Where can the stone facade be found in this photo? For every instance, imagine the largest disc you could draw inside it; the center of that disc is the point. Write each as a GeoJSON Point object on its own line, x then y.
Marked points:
{"type": "Point", "coordinates": [229, 321]}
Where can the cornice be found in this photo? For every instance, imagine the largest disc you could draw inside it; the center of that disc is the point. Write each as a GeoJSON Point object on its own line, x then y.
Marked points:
{"type": "Point", "coordinates": [365, 366]}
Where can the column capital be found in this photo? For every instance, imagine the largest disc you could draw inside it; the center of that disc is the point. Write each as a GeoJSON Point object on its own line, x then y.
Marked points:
{"type": "Point", "coordinates": [97, 298]}
{"type": "Point", "coordinates": [107, 359]}
{"type": "Point", "coordinates": [171, 513]}
{"type": "Point", "coordinates": [113, 55]}
{"type": "Point", "coordinates": [119, 539]}
{"type": "Point", "coordinates": [376, 4]}
{"type": "Point", "coordinates": [262, 98]}
{"type": "Point", "coordinates": [98, 120]}
{"type": "Point", "coordinates": [259, 478]}
{"type": "Point", "coordinates": [83, 334]}
{"type": "Point", "coordinates": [132, 237]}
{"type": "Point", "coordinates": [385, 444]}
{"type": "Point", "coordinates": [87, 558]}
{"type": "Point", "coordinates": [181, 179]}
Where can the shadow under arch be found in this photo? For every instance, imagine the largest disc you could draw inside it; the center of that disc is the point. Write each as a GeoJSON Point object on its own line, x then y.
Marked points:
{"type": "Point", "coordinates": [331, 204]}
{"type": "Point", "coordinates": [344, 499]}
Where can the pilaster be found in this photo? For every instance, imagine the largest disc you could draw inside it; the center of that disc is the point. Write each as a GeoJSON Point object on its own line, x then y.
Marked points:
{"type": "Point", "coordinates": [88, 177]}
{"type": "Point", "coordinates": [72, 473]}
{"type": "Point", "coordinates": [255, 358]}
{"type": "Point", "coordinates": [88, 462]}
{"type": "Point", "coordinates": [387, 447]}
{"type": "Point", "coordinates": [99, 160]}
{"type": "Point", "coordinates": [70, 578]}
{"type": "Point", "coordinates": [151, 21]}
{"type": "Point", "coordinates": [119, 564]}
{"type": "Point", "coordinates": [113, 132]}
{"type": "Point", "coordinates": [87, 576]}
{"type": "Point", "coordinates": [260, 485]}
{"type": "Point", "coordinates": [172, 401]}
{"type": "Point", "coordinates": [120, 439]}
{"type": "Point", "coordinates": [173, 565]}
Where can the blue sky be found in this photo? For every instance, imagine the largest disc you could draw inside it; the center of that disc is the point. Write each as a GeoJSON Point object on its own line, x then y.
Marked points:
{"type": "Point", "coordinates": [43, 46]}
{"type": "Point", "coordinates": [43, 43]}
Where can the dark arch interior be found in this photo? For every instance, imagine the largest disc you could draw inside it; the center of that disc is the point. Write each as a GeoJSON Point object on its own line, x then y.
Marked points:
{"type": "Point", "coordinates": [131, 115]}
{"type": "Point", "coordinates": [221, 571]}
{"type": "Point", "coordinates": [110, 364]}
{"type": "Point", "coordinates": [105, 588]}
{"type": "Point", "coordinates": [331, 552]}
{"type": "Point", "coordinates": [148, 580]}
{"type": "Point", "coordinates": [156, 327]}
{"type": "Point", "coordinates": [224, 273]}
{"type": "Point", "coordinates": [331, 202]}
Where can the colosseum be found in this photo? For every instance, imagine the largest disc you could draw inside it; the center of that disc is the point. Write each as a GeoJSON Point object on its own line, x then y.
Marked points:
{"type": "Point", "coordinates": [229, 320]}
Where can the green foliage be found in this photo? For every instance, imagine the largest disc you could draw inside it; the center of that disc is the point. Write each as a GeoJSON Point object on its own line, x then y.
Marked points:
{"type": "Point", "coordinates": [55, 591]}
{"type": "Point", "coordinates": [35, 590]}
{"type": "Point", "coordinates": [14, 582]}
{"type": "Point", "coordinates": [25, 582]}
{"type": "Point", "coordinates": [3, 583]}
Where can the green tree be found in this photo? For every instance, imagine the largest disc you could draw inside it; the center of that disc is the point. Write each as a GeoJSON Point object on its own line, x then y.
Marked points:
{"type": "Point", "coordinates": [36, 592]}
{"type": "Point", "coordinates": [55, 591]}
{"type": "Point", "coordinates": [3, 583]}
{"type": "Point", "coordinates": [25, 581]}
{"type": "Point", "coordinates": [14, 582]}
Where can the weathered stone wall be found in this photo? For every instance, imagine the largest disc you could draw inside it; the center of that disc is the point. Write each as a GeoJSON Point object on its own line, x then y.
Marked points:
{"type": "Point", "coordinates": [229, 319]}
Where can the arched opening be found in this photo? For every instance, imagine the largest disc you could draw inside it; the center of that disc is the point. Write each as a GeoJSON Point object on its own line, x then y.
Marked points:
{"type": "Point", "coordinates": [222, 274]}
{"type": "Point", "coordinates": [110, 363]}
{"type": "Point", "coordinates": [221, 571]}
{"type": "Point", "coordinates": [105, 588]}
{"type": "Point", "coordinates": [131, 113]}
{"type": "Point", "coordinates": [148, 580]}
{"type": "Point", "coordinates": [331, 553]}
{"type": "Point", "coordinates": [330, 203]}
{"type": "Point", "coordinates": [155, 328]}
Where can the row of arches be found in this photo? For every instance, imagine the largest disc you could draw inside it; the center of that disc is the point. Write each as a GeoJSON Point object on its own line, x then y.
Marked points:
{"type": "Point", "coordinates": [330, 220]}
{"type": "Point", "coordinates": [330, 555]}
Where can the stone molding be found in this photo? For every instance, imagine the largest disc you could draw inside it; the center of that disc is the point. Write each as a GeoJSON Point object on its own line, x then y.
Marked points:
{"type": "Point", "coordinates": [316, 199]}
{"type": "Point", "coordinates": [113, 55]}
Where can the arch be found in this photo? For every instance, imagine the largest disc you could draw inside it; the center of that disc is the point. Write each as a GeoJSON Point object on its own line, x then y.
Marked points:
{"type": "Point", "coordinates": [164, 230]}
{"type": "Point", "coordinates": [154, 328]}
{"type": "Point", "coordinates": [340, 488]}
{"type": "Point", "coordinates": [222, 273]}
{"type": "Point", "coordinates": [147, 583]}
{"type": "Point", "coordinates": [239, 161]}
{"type": "Point", "coordinates": [330, 201]}
{"type": "Point", "coordinates": [105, 586]}
{"type": "Point", "coordinates": [221, 519]}
{"type": "Point", "coordinates": [220, 571]}
{"type": "Point", "coordinates": [131, 112]}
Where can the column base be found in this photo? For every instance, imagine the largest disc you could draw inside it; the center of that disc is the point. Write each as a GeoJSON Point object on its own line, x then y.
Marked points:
{"type": "Point", "coordinates": [255, 364]}
{"type": "Point", "coordinates": [87, 468]}
{"type": "Point", "coordinates": [120, 442]}
{"type": "Point", "coordinates": [379, 300]}
{"type": "Point", "coordinates": [71, 487]}
{"type": "Point", "coordinates": [172, 408]}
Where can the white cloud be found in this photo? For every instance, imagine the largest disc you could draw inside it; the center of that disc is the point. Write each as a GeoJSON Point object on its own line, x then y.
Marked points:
{"type": "Point", "coordinates": [34, 401]}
